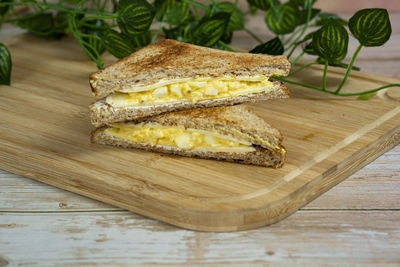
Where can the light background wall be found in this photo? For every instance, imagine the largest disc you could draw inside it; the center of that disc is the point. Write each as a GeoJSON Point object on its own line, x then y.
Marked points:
{"type": "Point", "coordinates": [349, 6]}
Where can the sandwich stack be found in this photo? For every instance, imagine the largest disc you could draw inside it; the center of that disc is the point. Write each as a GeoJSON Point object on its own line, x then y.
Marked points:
{"type": "Point", "coordinates": [183, 99]}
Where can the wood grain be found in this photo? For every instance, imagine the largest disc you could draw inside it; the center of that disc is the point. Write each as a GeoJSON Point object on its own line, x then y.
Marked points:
{"type": "Point", "coordinates": [124, 238]}
{"type": "Point", "coordinates": [374, 187]}
{"type": "Point", "coordinates": [371, 190]}
{"type": "Point", "coordinates": [45, 127]}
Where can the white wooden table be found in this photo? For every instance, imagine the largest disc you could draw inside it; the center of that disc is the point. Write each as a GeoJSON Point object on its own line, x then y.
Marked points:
{"type": "Point", "coordinates": [355, 223]}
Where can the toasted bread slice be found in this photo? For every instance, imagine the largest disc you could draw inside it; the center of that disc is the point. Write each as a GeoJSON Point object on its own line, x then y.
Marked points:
{"type": "Point", "coordinates": [231, 133]}
{"type": "Point", "coordinates": [103, 113]}
{"type": "Point", "coordinates": [169, 60]}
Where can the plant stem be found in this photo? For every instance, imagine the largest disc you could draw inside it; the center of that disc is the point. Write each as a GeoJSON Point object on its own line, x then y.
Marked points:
{"type": "Point", "coordinates": [309, 13]}
{"type": "Point", "coordinates": [84, 19]}
{"type": "Point", "coordinates": [301, 68]}
{"type": "Point", "coordinates": [226, 46]}
{"type": "Point", "coordinates": [271, 3]}
{"type": "Point", "coordinates": [301, 84]}
{"type": "Point", "coordinates": [59, 8]}
{"type": "Point", "coordinates": [158, 31]}
{"type": "Point", "coordinates": [292, 36]}
{"type": "Point", "coordinates": [138, 45]}
{"type": "Point", "coordinates": [253, 35]}
{"type": "Point", "coordinates": [104, 5]}
{"type": "Point", "coordinates": [334, 93]}
{"type": "Point", "coordinates": [291, 51]}
{"type": "Point", "coordinates": [324, 77]}
{"type": "Point", "coordinates": [195, 3]}
{"type": "Point", "coordinates": [353, 59]}
{"type": "Point", "coordinates": [297, 58]}
{"type": "Point", "coordinates": [369, 91]}
{"type": "Point", "coordinates": [196, 12]}
{"type": "Point", "coordinates": [96, 58]}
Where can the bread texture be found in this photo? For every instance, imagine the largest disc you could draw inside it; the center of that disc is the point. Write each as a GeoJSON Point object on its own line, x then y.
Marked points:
{"type": "Point", "coordinates": [235, 121]}
{"type": "Point", "coordinates": [170, 59]}
{"type": "Point", "coordinates": [102, 113]}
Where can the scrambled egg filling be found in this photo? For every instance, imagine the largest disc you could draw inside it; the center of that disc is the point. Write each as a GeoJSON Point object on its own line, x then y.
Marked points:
{"type": "Point", "coordinates": [187, 139]}
{"type": "Point", "coordinates": [193, 91]}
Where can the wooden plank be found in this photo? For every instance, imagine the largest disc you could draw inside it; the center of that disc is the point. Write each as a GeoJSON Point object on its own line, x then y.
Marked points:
{"type": "Point", "coordinates": [306, 238]}
{"type": "Point", "coordinates": [376, 186]}
{"type": "Point", "coordinates": [45, 127]}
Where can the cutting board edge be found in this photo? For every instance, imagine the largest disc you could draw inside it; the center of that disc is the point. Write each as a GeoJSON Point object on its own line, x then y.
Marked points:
{"type": "Point", "coordinates": [245, 219]}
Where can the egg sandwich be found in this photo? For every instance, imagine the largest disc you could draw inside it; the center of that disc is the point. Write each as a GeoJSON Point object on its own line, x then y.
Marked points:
{"type": "Point", "coordinates": [230, 133]}
{"type": "Point", "coordinates": [170, 76]}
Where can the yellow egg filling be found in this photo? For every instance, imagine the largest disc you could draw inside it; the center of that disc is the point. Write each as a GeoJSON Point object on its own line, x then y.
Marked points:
{"type": "Point", "coordinates": [193, 91]}
{"type": "Point", "coordinates": [187, 139]}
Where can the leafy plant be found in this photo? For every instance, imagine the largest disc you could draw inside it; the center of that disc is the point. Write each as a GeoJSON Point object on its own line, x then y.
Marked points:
{"type": "Point", "coordinates": [5, 65]}
{"type": "Point", "coordinates": [123, 26]}
{"type": "Point", "coordinates": [272, 47]}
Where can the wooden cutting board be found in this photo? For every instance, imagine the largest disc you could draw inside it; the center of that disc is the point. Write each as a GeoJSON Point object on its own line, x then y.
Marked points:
{"type": "Point", "coordinates": [45, 128]}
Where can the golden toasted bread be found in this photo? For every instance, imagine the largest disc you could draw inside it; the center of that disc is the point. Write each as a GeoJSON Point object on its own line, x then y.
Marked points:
{"type": "Point", "coordinates": [170, 60]}
{"type": "Point", "coordinates": [231, 133]}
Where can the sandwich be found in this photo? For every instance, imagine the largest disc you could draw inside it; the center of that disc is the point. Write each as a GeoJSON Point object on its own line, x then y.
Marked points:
{"type": "Point", "coordinates": [170, 76]}
{"type": "Point", "coordinates": [230, 133]}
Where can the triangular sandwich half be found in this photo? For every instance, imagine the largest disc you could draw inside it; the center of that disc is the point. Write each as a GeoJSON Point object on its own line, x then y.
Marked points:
{"type": "Point", "coordinates": [171, 75]}
{"type": "Point", "coordinates": [231, 133]}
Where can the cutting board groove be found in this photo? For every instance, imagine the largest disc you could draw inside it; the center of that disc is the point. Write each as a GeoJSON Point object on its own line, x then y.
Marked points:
{"type": "Point", "coordinates": [45, 128]}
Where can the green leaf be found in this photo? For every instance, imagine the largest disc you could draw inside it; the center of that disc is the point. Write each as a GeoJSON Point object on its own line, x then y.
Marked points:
{"type": "Point", "coordinates": [304, 14]}
{"type": "Point", "coordinates": [61, 21]}
{"type": "Point", "coordinates": [42, 24]}
{"type": "Point", "coordinates": [94, 28]}
{"type": "Point", "coordinates": [331, 42]}
{"type": "Point", "coordinates": [339, 64]}
{"type": "Point", "coordinates": [227, 37]}
{"type": "Point", "coordinates": [367, 96]}
{"type": "Point", "coordinates": [5, 65]}
{"type": "Point", "coordinates": [308, 49]}
{"type": "Point", "coordinates": [236, 21]}
{"type": "Point", "coordinates": [139, 41]}
{"type": "Point", "coordinates": [261, 4]}
{"type": "Point", "coordinates": [371, 26]}
{"type": "Point", "coordinates": [174, 12]}
{"type": "Point", "coordinates": [302, 3]}
{"type": "Point", "coordinates": [134, 16]}
{"type": "Point", "coordinates": [210, 30]}
{"type": "Point", "coordinates": [220, 46]}
{"type": "Point", "coordinates": [188, 31]}
{"type": "Point", "coordinates": [252, 10]}
{"type": "Point", "coordinates": [177, 12]}
{"type": "Point", "coordinates": [272, 47]}
{"type": "Point", "coordinates": [39, 23]}
{"type": "Point", "coordinates": [283, 19]}
{"type": "Point", "coordinates": [306, 38]}
{"type": "Point", "coordinates": [117, 43]}
{"type": "Point", "coordinates": [322, 19]}
{"type": "Point", "coordinates": [160, 7]}
{"type": "Point", "coordinates": [4, 8]}
{"type": "Point", "coordinates": [176, 33]}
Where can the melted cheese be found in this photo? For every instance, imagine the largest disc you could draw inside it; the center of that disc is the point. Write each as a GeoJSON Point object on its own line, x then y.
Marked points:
{"type": "Point", "coordinates": [186, 139]}
{"type": "Point", "coordinates": [192, 90]}
{"type": "Point", "coordinates": [140, 88]}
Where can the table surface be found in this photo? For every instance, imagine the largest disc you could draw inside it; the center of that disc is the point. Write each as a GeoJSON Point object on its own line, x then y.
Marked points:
{"type": "Point", "coordinates": [356, 222]}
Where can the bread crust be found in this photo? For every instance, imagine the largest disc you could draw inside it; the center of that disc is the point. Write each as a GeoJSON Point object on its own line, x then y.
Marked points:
{"type": "Point", "coordinates": [170, 59]}
{"type": "Point", "coordinates": [261, 157]}
{"type": "Point", "coordinates": [102, 113]}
